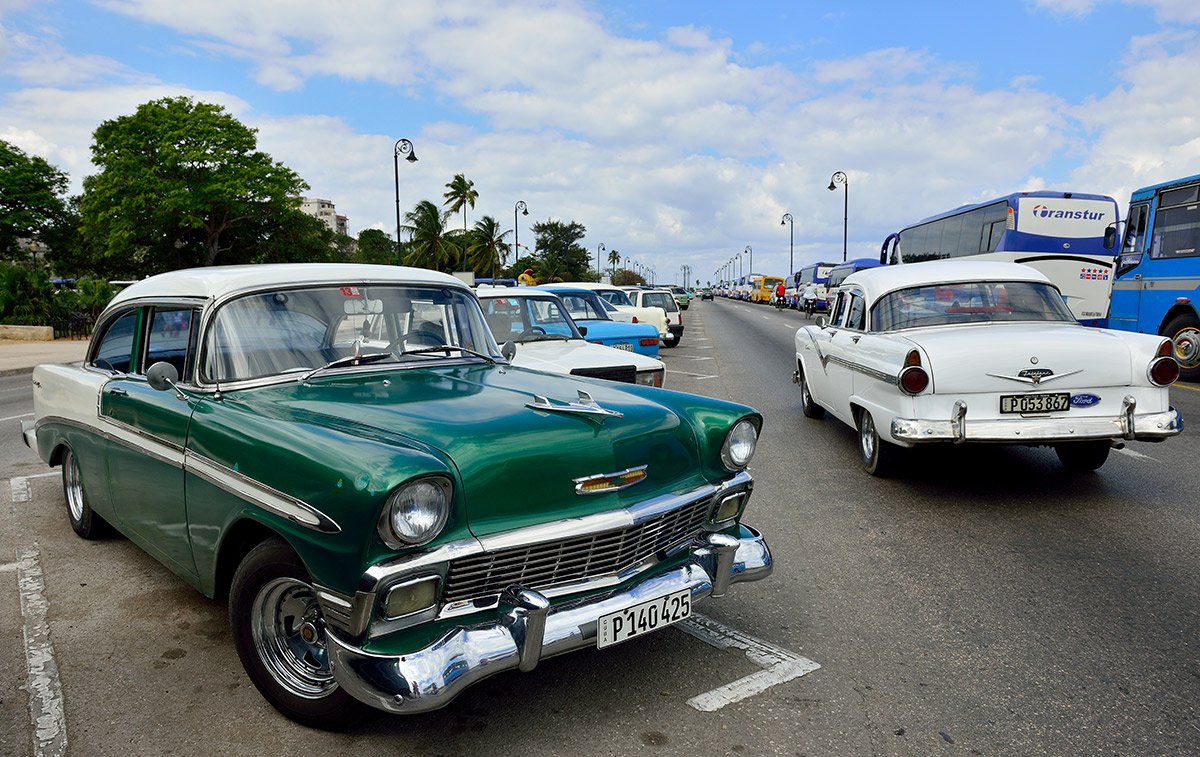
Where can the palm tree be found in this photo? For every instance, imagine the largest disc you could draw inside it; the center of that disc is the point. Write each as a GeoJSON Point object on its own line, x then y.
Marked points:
{"type": "Point", "coordinates": [614, 257]}
{"type": "Point", "coordinates": [431, 245]}
{"type": "Point", "coordinates": [487, 248]}
{"type": "Point", "coordinates": [460, 192]}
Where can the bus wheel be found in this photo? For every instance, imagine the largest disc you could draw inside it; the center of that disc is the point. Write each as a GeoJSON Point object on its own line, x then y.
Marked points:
{"type": "Point", "coordinates": [1184, 332]}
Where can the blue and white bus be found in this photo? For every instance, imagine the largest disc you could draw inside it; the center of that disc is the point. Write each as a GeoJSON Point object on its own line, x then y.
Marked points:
{"type": "Point", "coordinates": [816, 274]}
{"type": "Point", "coordinates": [1062, 234]}
{"type": "Point", "coordinates": [1157, 283]}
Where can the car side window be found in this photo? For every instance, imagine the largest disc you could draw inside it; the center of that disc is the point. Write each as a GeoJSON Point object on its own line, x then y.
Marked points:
{"type": "Point", "coordinates": [856, 314]}
{"type": "Point", "coordinates": [115, 351]}
{"type": "Point", "coordinates": [835, 313]}
{"type": "Point", "coordinates": [170, 339]}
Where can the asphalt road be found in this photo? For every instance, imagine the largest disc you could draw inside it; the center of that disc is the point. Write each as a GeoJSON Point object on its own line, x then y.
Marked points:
{"type": "Point", "coordinates": [984, 603]}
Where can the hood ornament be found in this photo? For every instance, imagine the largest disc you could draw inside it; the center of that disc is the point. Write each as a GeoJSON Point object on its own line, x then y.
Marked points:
{"type": "Point", "coordinates": [586, 406]}
{"type": "Point", "coordinates": [1036, 376]}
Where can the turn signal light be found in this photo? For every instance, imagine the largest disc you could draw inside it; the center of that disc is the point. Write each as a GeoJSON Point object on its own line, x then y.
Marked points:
{"type": "Point", "coordinates": [1165, 349]}
{"type": "Point", "coordinates": [648, 342]}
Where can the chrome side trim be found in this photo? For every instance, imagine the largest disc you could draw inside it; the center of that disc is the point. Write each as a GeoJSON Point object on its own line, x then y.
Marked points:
{"type": "Point", "coordinates": [1035, 381]}
{"type": "Point", "coordinates": [264, 496]}
{"type": "Point", "coordinates": [887, 378]}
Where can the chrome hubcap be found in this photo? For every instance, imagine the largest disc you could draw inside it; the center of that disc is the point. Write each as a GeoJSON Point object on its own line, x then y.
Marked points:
{"type": "Point", "coordinates": [290, 638]}
{"type": "Point", "coordinates": [73, 487]}
{"type": "Point", "coordinates": [866, 436]}
{"type": "Point", "coordinates": [1187, 347]}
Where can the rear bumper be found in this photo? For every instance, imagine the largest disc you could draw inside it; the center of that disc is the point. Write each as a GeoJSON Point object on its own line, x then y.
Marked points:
{"type": "Point", "coordinates": [530, 628]}
{"type": "Point", "coordinates": [675, 332]}
{"type": "Point", "coordinates": [1128, 425]}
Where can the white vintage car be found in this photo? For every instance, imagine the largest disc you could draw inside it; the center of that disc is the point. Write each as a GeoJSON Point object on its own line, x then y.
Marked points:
{"type": "Point", "coordinates": [547, 339]}
{"type": "Point", "coordinates": [957, 351]}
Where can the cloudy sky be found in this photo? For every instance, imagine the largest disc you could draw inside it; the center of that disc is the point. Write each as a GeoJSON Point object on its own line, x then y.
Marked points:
{"type": "Point", "coordinates": [677, 131]}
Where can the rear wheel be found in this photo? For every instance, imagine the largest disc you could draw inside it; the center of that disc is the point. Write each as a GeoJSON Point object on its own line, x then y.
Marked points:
{"type": "Point", "coordinates": [1083, 457]}
{"type": "Point", "coordinates": [279, 633]}
{"type": "Point", "coordinates": [84, 521]}
{"type": "Point", "coordinates": [1184, 332]}
{"type": "Point", "coordinates": [810, 408]}
{"type": "Point", "coordinates": [879, 458]}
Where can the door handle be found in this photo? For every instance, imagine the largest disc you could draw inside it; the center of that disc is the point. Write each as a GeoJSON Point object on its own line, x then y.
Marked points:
{"type": "Point", "coordinates": [119, 392]}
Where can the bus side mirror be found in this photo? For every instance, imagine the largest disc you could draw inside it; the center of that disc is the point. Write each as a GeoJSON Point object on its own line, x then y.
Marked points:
{"type": "Point", "coordinates": [1110, 236]}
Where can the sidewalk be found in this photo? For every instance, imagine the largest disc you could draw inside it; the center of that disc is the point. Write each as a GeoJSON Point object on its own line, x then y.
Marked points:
{"type": "Point", "coordinates": [18, 357]}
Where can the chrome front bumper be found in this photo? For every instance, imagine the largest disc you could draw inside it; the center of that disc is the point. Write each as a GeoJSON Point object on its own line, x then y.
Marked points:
{"type": "Point", "coordinates": [1129, 425]}
{"type": "Point", "coordinates": [530, 628]}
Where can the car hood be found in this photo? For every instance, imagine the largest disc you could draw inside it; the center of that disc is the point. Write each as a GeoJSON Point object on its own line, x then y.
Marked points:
{"type": "Point", "coordinates": [517, 464]}
{"type": "Point", "coordinates": [559, 356]}
{"type": "Point", "coordinates": [1062, 356]}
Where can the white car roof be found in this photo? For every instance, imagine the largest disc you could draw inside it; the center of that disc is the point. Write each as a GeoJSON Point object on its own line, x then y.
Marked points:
{"type": "Point", "coordinates": [511, 292]}
{"type": "Point", "coordinates": [876, 282]}
{"type": "Point", "coordinates": [218, 281]}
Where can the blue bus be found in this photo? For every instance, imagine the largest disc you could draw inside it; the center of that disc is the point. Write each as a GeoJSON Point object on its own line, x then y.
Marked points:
{"type": "Point", "coordinates": [1157, 282]}
{"type": "Point", "coordinates": [838, 274]}
{"type": "Point", "coordinates": [1065, 235]}
{"type": "Point", "coordinates": [813, 273]}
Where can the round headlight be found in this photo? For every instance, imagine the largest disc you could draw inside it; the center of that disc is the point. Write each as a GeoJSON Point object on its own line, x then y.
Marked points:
{"type": "Point", "coordinates": [415, 513]}
{"type": "Point", "coordinates": [739, 445]}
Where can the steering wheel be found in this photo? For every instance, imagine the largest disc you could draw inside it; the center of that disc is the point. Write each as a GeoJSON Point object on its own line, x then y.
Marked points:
{"type": "Point", "coordinates": [530, 332]}
{"type": "Point", "coordinates": [417, 338]}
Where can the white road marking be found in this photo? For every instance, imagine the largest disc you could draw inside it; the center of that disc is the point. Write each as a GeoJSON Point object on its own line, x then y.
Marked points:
{"type": "Point", "coordinates": [46, 710]}
{"type": "Point", "coordinates": [694, 375]}
{"type": "Point", "coordinates": [19, 486]}
{"type": "Point", "coordinates": [778, 665]}
{"type": "Point", "coordinates": [15, 417]}
{"type": "Point", "coordinates": [1137, 455]}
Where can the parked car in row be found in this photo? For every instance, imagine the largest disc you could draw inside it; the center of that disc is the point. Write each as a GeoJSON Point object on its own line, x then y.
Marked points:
{"type": "Point", "coordinates": [589, 310]}
{"type": "Point", "coordinates": [979, 352]}
{"type": "Point", "coordinates": [393, 510]}
{"type": "Point", "coordinates": [624, 307]}
{"type": "Point", "coordinates": [660, 298]}
{"type": "Point", "coordinates": [546, 338]}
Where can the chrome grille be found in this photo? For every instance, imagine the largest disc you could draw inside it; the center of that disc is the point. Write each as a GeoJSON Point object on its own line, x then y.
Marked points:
{"type": "Point", "coordinates": [539, 566]}
{"type": "Point", "coordinates": [625, 373]}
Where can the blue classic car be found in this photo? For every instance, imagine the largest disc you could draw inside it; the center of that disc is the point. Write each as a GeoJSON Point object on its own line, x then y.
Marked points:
{"type": "Point", "coordinates": [591, 312]}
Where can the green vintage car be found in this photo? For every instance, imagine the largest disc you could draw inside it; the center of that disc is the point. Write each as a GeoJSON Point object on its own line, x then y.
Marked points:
{"type": "Point", "coordinates": [393, 510]}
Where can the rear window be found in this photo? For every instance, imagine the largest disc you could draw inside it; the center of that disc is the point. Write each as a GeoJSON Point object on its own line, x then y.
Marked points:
{"type": "Point", "coordinates": [660, 300]}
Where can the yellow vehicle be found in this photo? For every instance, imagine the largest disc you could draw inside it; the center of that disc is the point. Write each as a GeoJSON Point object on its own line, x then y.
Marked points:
{"type": "Point", "coordinates": [764, 288]}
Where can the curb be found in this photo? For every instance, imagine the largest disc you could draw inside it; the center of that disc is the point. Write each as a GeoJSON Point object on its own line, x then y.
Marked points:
{"type": "Point", "coordinates": [15, 371]}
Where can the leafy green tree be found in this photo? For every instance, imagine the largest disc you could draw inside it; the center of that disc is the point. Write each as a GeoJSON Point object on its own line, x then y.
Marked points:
{"type": "Point", "coordinates": [431, 244]}
{"type": "Point", "coordinates": [289, 236]}
{"type": "Point", "coordinates": [176, 180]}
{"type": "Point", "coordinates": [31, 199]}
{"type": "Point", "coordinates": [487, 249]}
{"type": "Point", "coordinates": [520, 265]}
{"type": "Point", "coordinates": [26, 295]}
{"type": "Point", "coordinates": [626, 277]}
{"type": "Point", "coordinates": [375, 246]}
{"type": "Point", "coordinates": [558, 249]}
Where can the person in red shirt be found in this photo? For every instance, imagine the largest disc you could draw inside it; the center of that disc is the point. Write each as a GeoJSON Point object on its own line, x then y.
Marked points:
{"type": "Point", "coordinates": [780, 291]}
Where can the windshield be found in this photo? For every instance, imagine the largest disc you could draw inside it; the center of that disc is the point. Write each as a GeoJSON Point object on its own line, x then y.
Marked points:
{"type": "Point", "coordinates": [586, 306]}
{"type": "Point", "coordinates": [528, 319]}
{"type": "Point", "coordinates": [614, 297]}
{"type": "Point", "coordinates": [969, 302]}
{"type": "Point", "coordinates": [298, 330]}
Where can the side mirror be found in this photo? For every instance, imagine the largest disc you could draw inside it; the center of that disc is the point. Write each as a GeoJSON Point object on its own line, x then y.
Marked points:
{"type": "Point", "coordinates": [1110, 236]}
{"type": "Point", "coordinates": [583, 330]}
{"type": "Point", "coordinates": [508, 350]}
{"type": "Point", "coordinates": [162, 376]}
{"type": "Point", "coordinates": [822, 321]}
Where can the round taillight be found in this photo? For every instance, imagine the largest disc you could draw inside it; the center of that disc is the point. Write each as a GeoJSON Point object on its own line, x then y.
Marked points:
{"type": "Point", "coordinates": [913, 380]}
{"type": "Point", "coordinates": [1164, 371]}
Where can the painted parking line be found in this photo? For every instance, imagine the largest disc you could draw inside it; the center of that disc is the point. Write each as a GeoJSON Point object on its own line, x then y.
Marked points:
{"type": "Point", "coordinates": [15, 417]}
{"type": "Point", "coordinates": [698, 376]}
{"type": "Point", "coordinates": [46, 711]}
{"type": "Point", "coordinates": [19, 486]}
{"type": "Point", "coordinates": [1185, 386]}
{"type": "Point", "coordinates": [778, 665]}
{"type": "Point", "coordinates": [1136, 455]}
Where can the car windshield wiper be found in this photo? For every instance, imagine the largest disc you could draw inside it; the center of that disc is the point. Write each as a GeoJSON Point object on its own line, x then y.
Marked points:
{"type": "Point", "coordinates": [446, 348]}
{"type": "Point", "coordinates": [367, 357]}
{"type": "Point", "coordinates": [547, 337]}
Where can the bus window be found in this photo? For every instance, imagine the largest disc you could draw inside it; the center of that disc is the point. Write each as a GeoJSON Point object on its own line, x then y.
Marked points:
{"type": "Point", "coordinates": [1177, 232]}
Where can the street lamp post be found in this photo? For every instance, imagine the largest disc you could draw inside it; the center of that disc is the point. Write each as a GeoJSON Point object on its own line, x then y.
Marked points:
{"type": "Point", "coordinates": [521, 206]}
{"type": "Point", "coordinates": [750, 268]}
{"type": "Point", "coordinates": [787, 218]}
{"type": "Point", "coordinates": [403, 147]}
{"type": "Point", "coordinates": [841, 178]}
{"type": "Point", "coordinates": [599, 249]}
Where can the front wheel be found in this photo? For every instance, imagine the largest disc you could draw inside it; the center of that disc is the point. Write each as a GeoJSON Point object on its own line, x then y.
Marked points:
{"type": "Point", "coordinates": [1083, 457]}
{"type": "Point", "coordinates": [279, 633]}
{"type": "Point", "coordinates": [1184, 332]}
{"type": "Point", "coordinates": [879, 458]}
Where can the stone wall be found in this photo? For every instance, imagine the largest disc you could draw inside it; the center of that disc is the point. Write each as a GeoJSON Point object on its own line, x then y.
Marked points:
{"type": "Point", "coordinates": [27, 333]}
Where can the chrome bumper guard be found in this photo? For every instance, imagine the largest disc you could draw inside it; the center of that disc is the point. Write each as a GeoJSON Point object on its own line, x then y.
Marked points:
{"type": "Point", "coordinates": [29, 434]}
{"type": "Point", "coordinates": [530, 629]}
{"type": "Point", "coordinates": [959, 428]}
